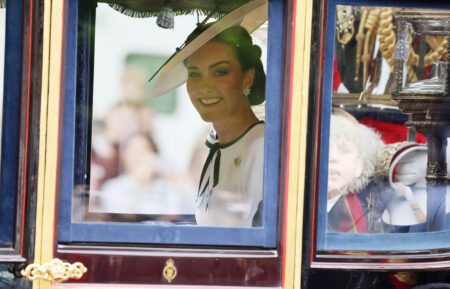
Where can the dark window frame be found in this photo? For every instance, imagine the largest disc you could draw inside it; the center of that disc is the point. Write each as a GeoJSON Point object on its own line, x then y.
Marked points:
{"type": "Point", "coordinates": [76, 150]}
{"type": "Point", "coordinates": [20, 127]}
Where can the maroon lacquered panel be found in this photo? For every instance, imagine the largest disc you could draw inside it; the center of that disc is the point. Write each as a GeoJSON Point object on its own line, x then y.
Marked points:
{"type": "Point", "coordinates": [194, 267]}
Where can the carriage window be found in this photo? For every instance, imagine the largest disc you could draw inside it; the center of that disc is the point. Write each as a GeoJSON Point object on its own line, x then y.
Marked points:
{"type": "Point", "coordinates": [385, 158]}
{"type": "Point", "coordinates": [177, 135]}
{"type": "Point", "coordinates": [148, 151]}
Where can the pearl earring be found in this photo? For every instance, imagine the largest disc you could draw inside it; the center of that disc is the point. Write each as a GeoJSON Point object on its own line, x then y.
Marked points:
{"type": "Point", "coordinates": [246, 91]}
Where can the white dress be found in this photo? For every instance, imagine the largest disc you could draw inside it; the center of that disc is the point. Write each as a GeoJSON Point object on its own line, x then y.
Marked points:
{"type": "Point", "coordinates": [231, 186]}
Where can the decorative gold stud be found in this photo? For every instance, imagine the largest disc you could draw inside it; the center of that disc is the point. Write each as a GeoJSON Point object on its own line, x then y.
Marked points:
{"type": "Point", "coordinates": [237, 161]}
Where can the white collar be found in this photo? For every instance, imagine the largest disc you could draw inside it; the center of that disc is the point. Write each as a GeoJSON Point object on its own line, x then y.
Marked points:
{"type": "Point", "coordinates": [331, 202]}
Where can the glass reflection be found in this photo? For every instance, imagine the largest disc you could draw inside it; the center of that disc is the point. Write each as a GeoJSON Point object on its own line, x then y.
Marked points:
{"type": "Point", "coordinates": [422, 52]}
{"type": "Point", "coordinates": [141, 146]}
{"type": "Point", "coordinates": [148, 153]}
{"type": "Point", "coordinates": [377, 166]}
{"type": "Point", "coordinates": [355, 201]}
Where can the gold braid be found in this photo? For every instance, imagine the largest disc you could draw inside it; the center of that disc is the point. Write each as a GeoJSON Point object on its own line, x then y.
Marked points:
{"type": "Point", "coordinates": [381, 21]}
{"type": "Point", "coordinates": [438, 45]}
{"type": "Point", "coordinates": [359, 41]}
{"type": "Point", "coordinates": [386, 35]}
{"type": "Point", "coordinates": [413, 59]}
{"type": "Point", "coordinates": [438, 49]}
{"type": "Point", "coordinates": [369, 41]}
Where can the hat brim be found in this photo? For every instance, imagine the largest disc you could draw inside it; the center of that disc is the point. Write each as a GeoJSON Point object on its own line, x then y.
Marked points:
{"type": "Point", "coordinates": [250, 16]}
{"type": "Point", "coordinates": [403, 153]}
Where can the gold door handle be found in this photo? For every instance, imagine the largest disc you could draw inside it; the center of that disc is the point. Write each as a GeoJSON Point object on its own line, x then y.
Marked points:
{"type": "Point", "coordinates": [55, 271]}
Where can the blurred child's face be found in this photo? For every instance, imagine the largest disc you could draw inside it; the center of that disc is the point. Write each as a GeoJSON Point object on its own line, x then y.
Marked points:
{"type": "Point", "coordinates": [137, 158]}
{"type": "Point", "coordinates": [344, 164]}
{"type": "Point", "coordinates": [121, 121]}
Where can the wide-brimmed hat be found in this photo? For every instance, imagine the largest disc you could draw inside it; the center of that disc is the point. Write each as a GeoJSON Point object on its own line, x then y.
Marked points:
{"type": "Point", "coordinates": [413, 159]}
{"type": "Point", "coordinates": [410, 154]}
{"type": "Point", "coordinates": [250, 16]}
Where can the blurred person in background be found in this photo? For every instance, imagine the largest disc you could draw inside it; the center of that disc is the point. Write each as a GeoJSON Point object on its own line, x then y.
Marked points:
{"type": "Point", "coordinates": [121, 121]}
{"type": "Point", "coordinates": [143, 187]}
{"type": "Point", "coordinates": [354, 201]}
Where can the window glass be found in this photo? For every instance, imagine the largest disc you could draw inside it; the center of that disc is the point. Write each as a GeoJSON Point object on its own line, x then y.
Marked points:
{"type": "Point", "coordinates": [387, 122]}
{"type": "Point", "coordinates": [193, 154]}
{"type": "Point", "coordinates": [142, 161]}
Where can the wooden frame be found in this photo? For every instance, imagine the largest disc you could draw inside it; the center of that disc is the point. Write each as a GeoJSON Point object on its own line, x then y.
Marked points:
{"type": "Point", "coordinates": [76, 149]}
{"type": "Point", "coordinates": [400, 253]}
{"type": "Point", "coordinates": [283, 261]}
{"type": "Point", "coordinates": [22, 113]}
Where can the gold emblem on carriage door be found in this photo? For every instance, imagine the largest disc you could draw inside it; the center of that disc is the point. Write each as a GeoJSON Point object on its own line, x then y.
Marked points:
{"type": "Point", "coordinates": [170, 271]}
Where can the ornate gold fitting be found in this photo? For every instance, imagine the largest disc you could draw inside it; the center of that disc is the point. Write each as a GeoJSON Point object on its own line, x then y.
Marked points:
{"type": "Point", "coordinates": [384, 158]}
{"type": "Point", "coordinates": [345, 28]}
{"type": "Point", "coordinates": [170, 271]}
{"type": "Point", "coordinates": [55, 271]}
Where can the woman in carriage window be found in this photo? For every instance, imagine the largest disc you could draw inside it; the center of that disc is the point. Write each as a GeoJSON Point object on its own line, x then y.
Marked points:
{"type": "Point", "coordinates": [224, 77]}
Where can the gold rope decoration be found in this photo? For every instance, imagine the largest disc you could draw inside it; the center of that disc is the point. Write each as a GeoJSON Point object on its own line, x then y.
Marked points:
{"type": "Point", "coordinates": [413, 59]}
{"type": "Point", "coordinates": [359, 42]}
{"type": "Point", "coordinates": [386, 35]}
{"type": "Point", "coordinates": [438, 50]}
{"type": "Point", "coordinates": [380, 21]}
{"type": "Point", "coordinates": [369, 41]}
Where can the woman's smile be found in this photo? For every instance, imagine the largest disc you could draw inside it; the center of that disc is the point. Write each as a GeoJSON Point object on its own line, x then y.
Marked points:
{"type": "Point", "coordinates": [210, 100]}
